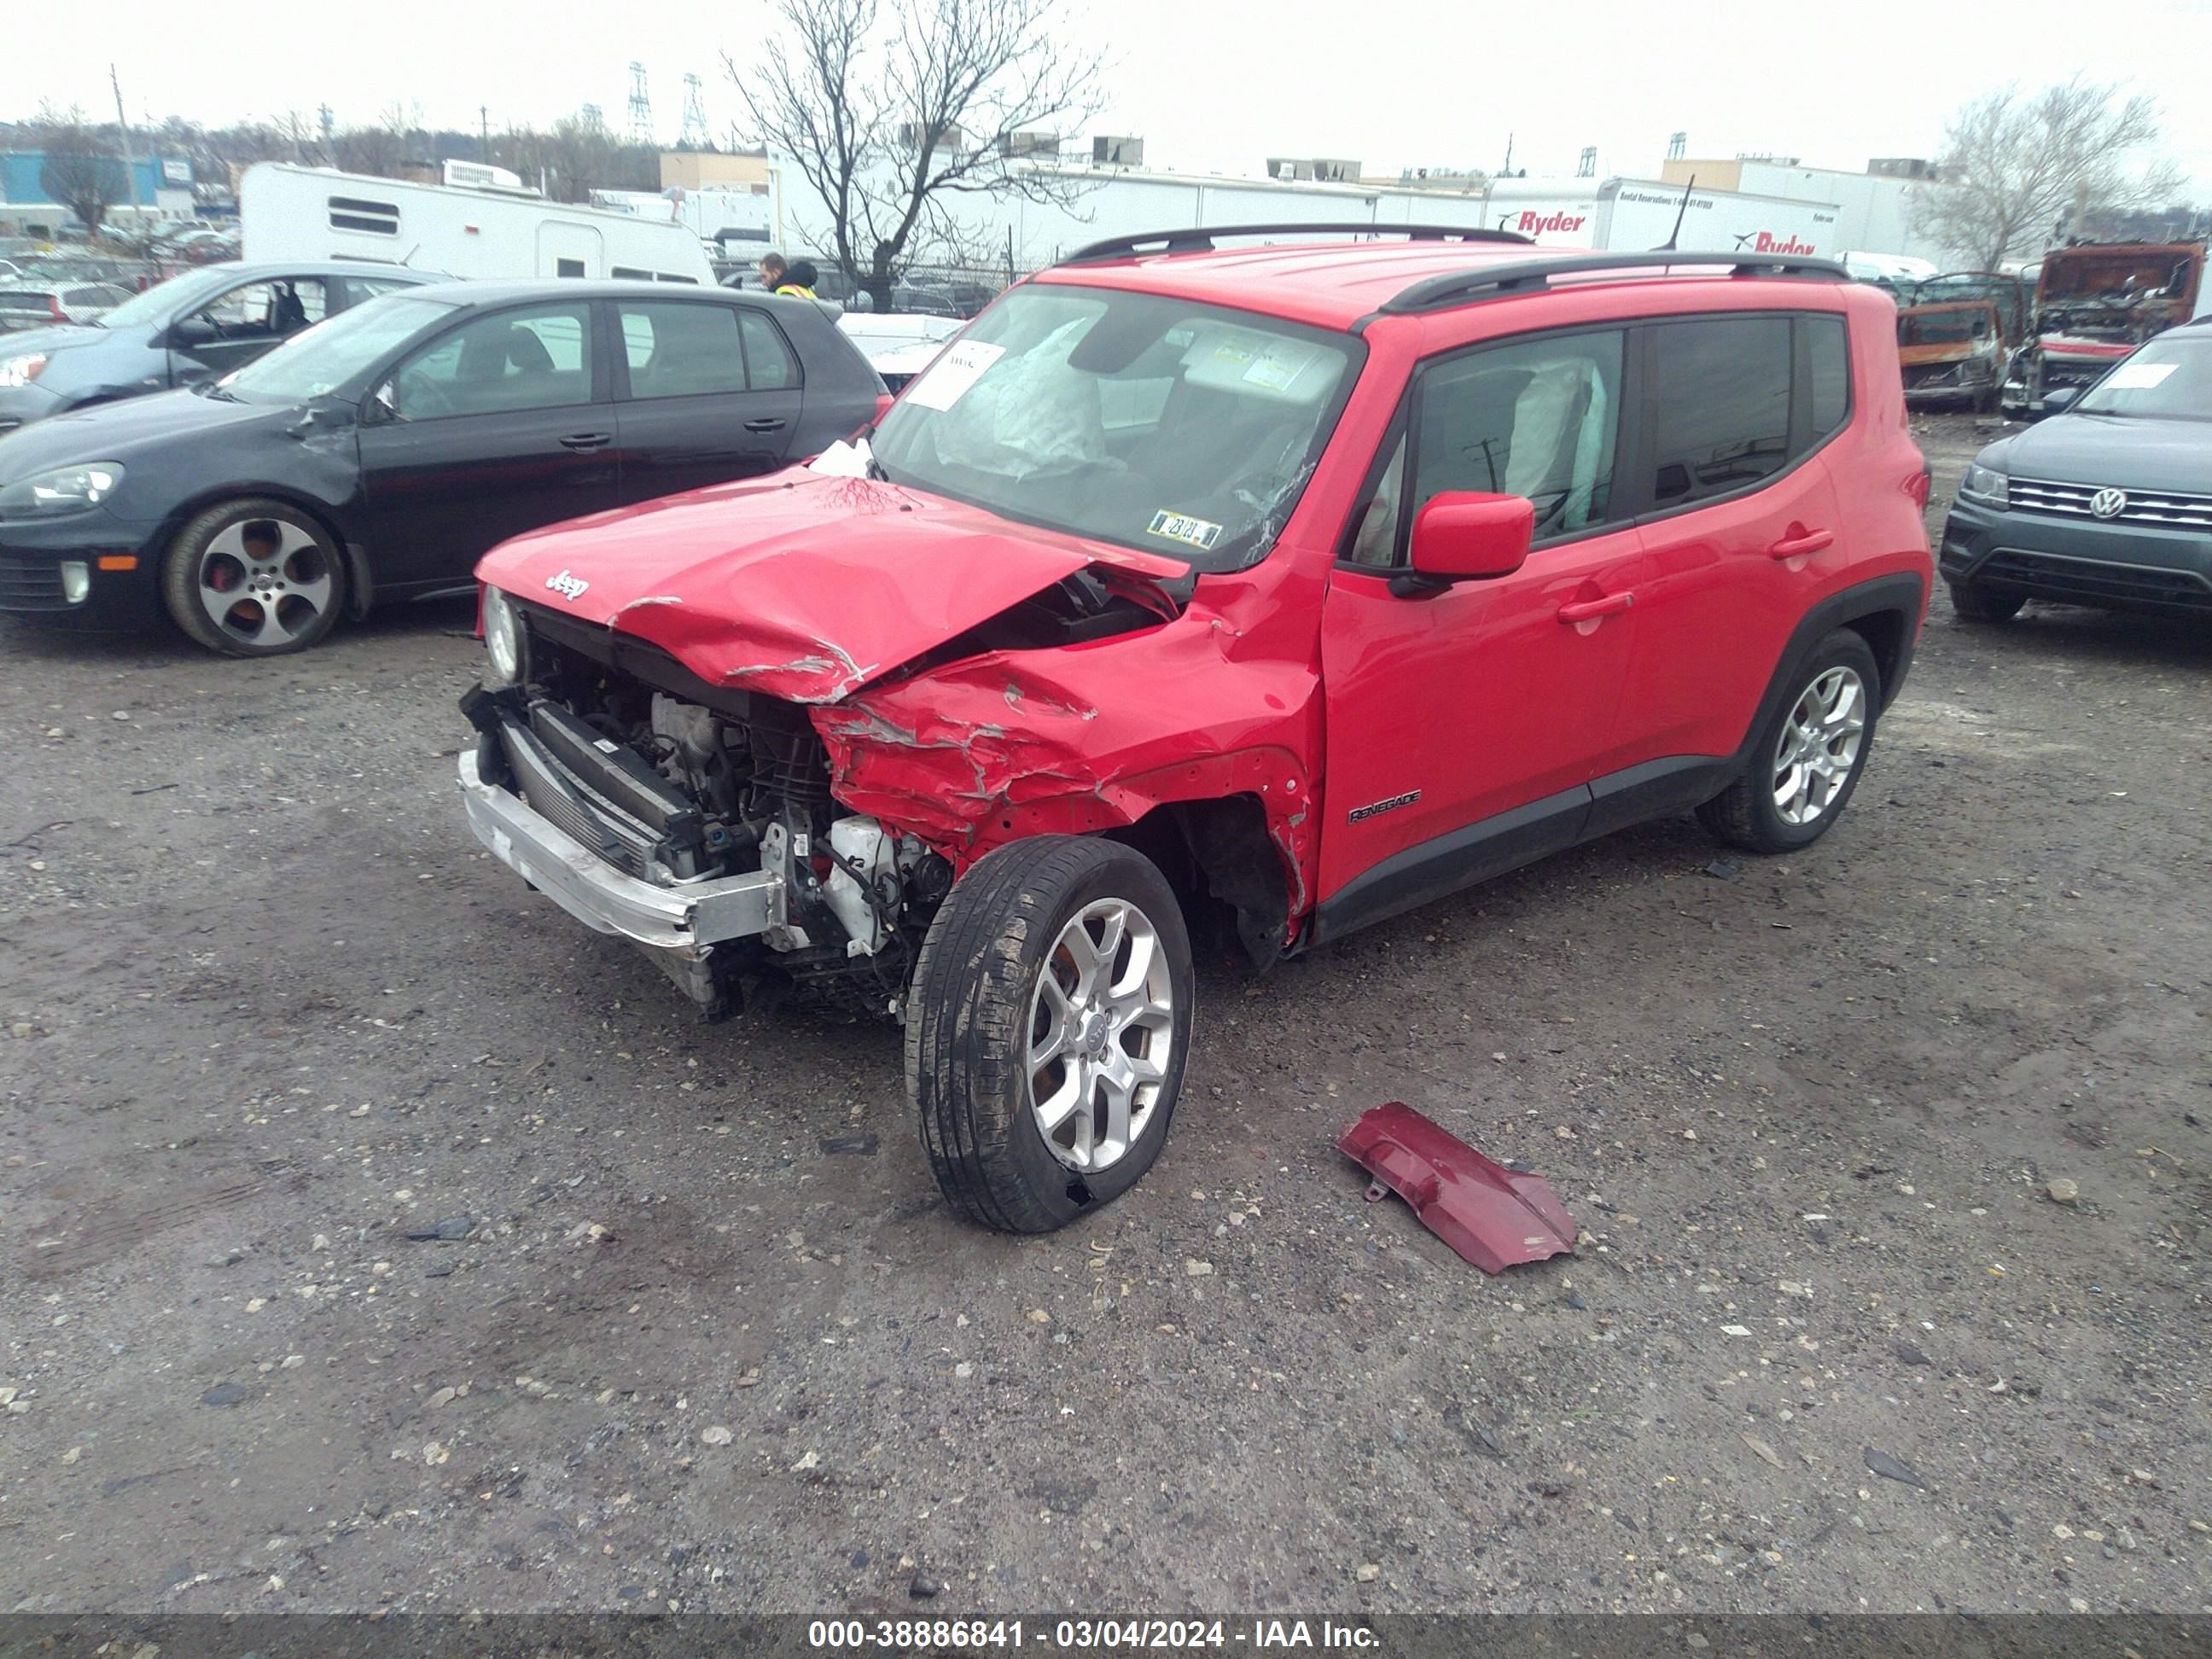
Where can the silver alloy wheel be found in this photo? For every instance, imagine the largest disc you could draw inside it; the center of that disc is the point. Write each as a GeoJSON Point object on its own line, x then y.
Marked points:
{"type": "Point", "coordinates": [265, 581]}
{"type": "Point", "coordinates": [1101, 1034]}
{"type": "Point", "coordinates": [1819, 747]}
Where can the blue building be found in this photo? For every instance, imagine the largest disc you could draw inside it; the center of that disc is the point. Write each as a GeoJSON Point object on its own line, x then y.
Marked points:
{"type": "Point", "coordinates": [163, 188]}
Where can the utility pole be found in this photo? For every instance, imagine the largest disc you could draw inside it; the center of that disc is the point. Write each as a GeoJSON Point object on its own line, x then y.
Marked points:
{"type": "Point", "coordinates": [1506, 172]}
{"type": "Point", "coordinates": [123, 123]}
{"type": "Point", "coordinates": [484, 129]}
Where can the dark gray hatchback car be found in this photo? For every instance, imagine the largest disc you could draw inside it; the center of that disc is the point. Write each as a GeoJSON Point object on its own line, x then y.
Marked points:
{"type": "Point", "coordinates": [2108, 504]}
{"type": "Point", "coordinates": [195, 327]}
{"type": "Point", "coordinates": [378, 456]}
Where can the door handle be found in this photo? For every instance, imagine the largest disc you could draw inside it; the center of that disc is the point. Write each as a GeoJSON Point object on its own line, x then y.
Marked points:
{"type": "Point", "coordinates": [584, 440]}
{"type": "Point", "coordinates": [1795, 547]}
{"type": "Point", "coordinates": [765, 426]}
{"type": "Point", "coordinates": [1583, 610]}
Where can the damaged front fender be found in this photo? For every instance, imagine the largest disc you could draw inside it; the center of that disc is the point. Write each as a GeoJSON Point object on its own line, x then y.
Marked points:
{"type": "Point", "coordinates": [1008, 744]}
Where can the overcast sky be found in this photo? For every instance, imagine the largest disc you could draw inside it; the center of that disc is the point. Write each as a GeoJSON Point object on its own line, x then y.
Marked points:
{"type": "Point", "coordinates": [1218, 85]}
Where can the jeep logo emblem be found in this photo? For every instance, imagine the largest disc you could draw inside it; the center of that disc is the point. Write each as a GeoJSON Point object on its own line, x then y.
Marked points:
{"type": "Point", "coordinates": [2109, 503]}
{"type": "Point", "coordinates": [567, 587]}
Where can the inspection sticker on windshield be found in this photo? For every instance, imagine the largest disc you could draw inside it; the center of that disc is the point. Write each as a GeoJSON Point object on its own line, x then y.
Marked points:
{"type": "Point", "coordinates": [1181, 527]}
{"type": "Point", "coordinates": [2141, 377]}
{"type": "Point", "coordinates": [947, 381]}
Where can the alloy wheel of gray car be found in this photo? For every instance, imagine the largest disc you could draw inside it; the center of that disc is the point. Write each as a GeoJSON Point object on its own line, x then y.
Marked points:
{"type": "Point", "coordinates": [254, 578]}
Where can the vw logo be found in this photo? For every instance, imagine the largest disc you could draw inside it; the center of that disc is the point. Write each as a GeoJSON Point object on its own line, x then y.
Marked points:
{"type": "Point", "coordinates": [2109, 503]}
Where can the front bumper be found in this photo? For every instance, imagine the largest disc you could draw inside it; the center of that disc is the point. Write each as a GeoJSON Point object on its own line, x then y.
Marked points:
{"type": "Point", "coordinates": [33, 552]}
{"type": "Point", "coordinates": [20, 405]}
{"type": "Point", "coordinates": [2078, 561]}
{"type": "Point", "coordinates": [684, 917]}
{"type": "Point", "coordinates": [1938, 383]}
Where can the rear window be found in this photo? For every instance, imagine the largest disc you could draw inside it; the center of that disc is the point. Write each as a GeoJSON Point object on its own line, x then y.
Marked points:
{"type": "Point", "coordinates": [22, 299]}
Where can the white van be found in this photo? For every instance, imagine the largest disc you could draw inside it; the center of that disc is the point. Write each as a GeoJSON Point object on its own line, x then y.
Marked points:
{"type": "Point", "coordinates": [293, 213]}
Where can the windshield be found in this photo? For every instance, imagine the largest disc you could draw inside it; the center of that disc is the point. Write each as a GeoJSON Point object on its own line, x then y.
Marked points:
{"type": "Point", "coordinates": [1159, 424]}
{"type": "Point", "coordinates": [2171, 378]}
{"type": "Point", "coordinates": [324, 357]}
{"type": "Point", "coordinates": [164, 300]}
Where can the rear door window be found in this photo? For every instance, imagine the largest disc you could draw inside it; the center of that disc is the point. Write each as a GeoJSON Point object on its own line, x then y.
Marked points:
{"type": "Point", "coordinates": [1720, 414]}
{"type": "Point", "coordinates": [677, 351]}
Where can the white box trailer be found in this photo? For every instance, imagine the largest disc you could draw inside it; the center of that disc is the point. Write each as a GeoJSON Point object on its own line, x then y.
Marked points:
{"type": "Point", "coordinates": [318, 213]}
{"type": "Point", "coordinates": [1624, 214]}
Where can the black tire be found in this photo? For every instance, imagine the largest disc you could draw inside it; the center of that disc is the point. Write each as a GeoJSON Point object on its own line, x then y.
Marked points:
{"type": "Point", "coordinates": [1747, 814]}
{"type": "Point", "coordinates": [287, 602]}
{"type": "Point", "coordinates": [969, 1027]}
{"type": "Point", "coordinates": [1977, 602]}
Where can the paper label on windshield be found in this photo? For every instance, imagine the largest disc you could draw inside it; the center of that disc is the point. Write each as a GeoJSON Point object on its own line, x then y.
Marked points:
{"type": "Point", "coordinates": [1200, 533]}
{"type": "Point", "coordinates": [2140, 377]}
{"type": "Point", "coordinates": [947, 381]}
{"type": "Point", "coordinates": [1278, 366]}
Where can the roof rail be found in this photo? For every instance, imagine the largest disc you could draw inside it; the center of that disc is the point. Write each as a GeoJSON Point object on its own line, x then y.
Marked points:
{"type": "Point", "coordinates": [1199, 239]}
{"type": "Point", "coordinates": [1498, 281]}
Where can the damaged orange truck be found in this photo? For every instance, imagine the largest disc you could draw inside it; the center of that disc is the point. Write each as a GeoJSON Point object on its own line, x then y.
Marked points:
{"type": "Point", "coordinates": [2094, 304]}
{"type": "Point", "coordinates": [1955, 335]}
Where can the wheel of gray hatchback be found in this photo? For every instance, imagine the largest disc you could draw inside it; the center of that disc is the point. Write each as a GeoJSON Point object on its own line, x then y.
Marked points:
{"type": "Point", "coordinates": [253, 578]}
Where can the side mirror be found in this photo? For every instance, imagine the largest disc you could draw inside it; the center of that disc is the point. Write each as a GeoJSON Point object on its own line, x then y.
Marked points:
{"type": "Point", "coordinates": [2060, 398]}
{"type": "Point", "coordinates": [193, 330]}
{"type": "Point", "coordinates": [1462, 536]}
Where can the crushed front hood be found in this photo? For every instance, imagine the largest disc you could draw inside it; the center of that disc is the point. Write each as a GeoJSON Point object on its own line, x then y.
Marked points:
{"type": "Point", "coordinates": [801, 586]}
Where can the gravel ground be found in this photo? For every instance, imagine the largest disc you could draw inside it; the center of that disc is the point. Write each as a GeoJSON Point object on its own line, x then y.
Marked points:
{"type": "Point", "coordinates": [709, 1340]}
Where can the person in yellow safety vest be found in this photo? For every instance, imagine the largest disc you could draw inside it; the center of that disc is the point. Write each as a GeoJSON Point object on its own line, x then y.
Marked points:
{"type": "Point", "coordinates": [798, 279]}
{"type": "Point", "coordinates": [771, 270]}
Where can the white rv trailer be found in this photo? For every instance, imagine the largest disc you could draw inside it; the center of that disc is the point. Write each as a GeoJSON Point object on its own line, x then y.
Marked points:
{"type": "Point", "coordinates": [318, 213]}
{"type": "Point", "coordinates": [718, 216]}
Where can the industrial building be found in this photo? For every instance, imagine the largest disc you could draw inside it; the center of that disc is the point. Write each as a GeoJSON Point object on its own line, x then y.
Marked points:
{"type": "Point", "coordinates": [162, 187]}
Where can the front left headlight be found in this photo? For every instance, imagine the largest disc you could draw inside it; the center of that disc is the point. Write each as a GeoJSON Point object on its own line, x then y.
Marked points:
{"type": "Point", "coordinates": [502, 632]}
{"type": "Point", "coordinates": [65, 490]}
{"type": "Point", "coordinates": [21, 371]}
{"type": "Point", "coordinates": [1984, 486]}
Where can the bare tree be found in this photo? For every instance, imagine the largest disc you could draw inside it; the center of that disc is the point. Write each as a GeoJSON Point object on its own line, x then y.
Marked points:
{"type": "Point", "coordinates": [375, 150]}
{"type": "Point", "coordinates": [296, 132]}
{"type": "Point", "coordinates": [2027, 167]}
{"type": "Point", "coordinates": [890, 122]}
{"type": "Point", "coordinates": [80, 168]}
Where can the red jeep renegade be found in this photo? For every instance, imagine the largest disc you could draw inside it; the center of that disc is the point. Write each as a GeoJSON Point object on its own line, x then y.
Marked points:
{"type": "Point", "coordinates": [1293, 584]}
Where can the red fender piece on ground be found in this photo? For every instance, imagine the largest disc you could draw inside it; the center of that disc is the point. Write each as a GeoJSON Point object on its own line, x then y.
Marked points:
{"type": "Point", "coordinates": [1493, 1216]}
